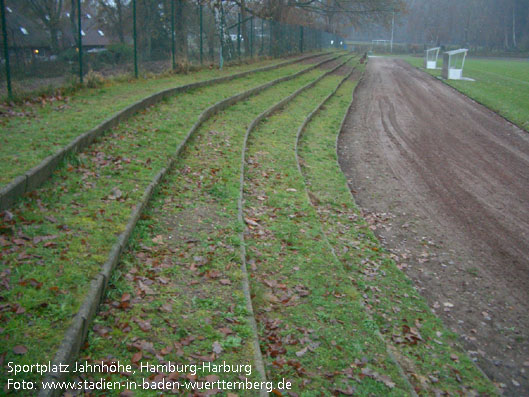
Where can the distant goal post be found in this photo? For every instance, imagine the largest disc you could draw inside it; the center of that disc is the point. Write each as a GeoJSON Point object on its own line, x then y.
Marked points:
{"type": "Point", "coordinates": [430, 58]}
{"type": "Point", "coordinates": [381, 44]}
{"type": "Point", "coordinates": [453, 64]}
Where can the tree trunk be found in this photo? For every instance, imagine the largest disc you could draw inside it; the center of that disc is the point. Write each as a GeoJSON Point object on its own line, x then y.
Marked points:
{"type": "Point", "coordinates": [73, 22]}
{"type": "Point", "coordinates": [54, 38]}
{"type": "Point", "coordinates": [120, 29]}
{"type": "Point", "coordinates": [180, 30]}
{"type": "Point", "coordinates": [244, 28]}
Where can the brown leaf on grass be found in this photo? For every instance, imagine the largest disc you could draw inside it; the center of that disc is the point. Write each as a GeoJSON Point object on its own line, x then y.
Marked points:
{"type": "Point", "coordinates": [251, 221]}
{"type": "Point", "coordinates": [144, 288]}
{"type": "Point", "coordinates": [101, 330]}
{"type": "Point", "coordinates": [136, 357]}
{"type": "Point", "coordinates": [187, 340]}
{"type": "Point", "coordinates": [226, 331]}
{"type": "Point", "coordinates": [387, 381]}
{"type": "Point", "coordinates": [166, 350]}
{"type": "Point", "coordinates": [50, 244]}
{"type": "Point", "coordinates": [212, 378]}
{"type": "Point", "coordinates": [115, 194]}
{"type": "Point", "coordinates": [225, 281]}
{"type": "Point", "coordinates": [302, 352]}
{"type": "Point", "coordinates": [20, 349]}
{"type": "Point", "coordinates": [350, 391]}
{"type": "Point", "coordinates": [7, 216]}
{"type": "Point", "coordinates": [158, 239]}
{"type": "Point", "coordinates": [143, 345]}
{"type": "Point", "coordinates": [166, 307]}
{"type": "Point", "coordinates": [39, 239]}
{"type": "Point", "coordinates": [145, 326]}
{"type": "Point", "coordinates": [213, 273]}
{"type": "Point", "coordinates": [32, 282]}
{"type": "Point", "coordinates": [302, 290]}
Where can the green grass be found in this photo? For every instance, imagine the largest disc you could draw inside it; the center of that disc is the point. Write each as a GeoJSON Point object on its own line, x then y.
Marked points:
{"type": "Point", "coordinates": [194, 215]}
{"type": "Point", "coordinates": [313, 328]}
{"type": "Point", "coordinates": [31, 132]}
{"type": "Point", "coordinates": [425, 349]}
{"type": "Point", "coordinates": [85, 205]}
{"type": "Point", "coordinates": [501, 85]}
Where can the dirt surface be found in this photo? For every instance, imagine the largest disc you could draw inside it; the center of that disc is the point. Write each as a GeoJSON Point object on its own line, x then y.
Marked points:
{"type": "Point", "coordinates": [447, 182]}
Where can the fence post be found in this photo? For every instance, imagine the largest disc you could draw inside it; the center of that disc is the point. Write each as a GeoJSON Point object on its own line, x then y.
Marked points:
{"type": "Point", "coordinates": [173, 55]}
{"type": "Point", "coordinates": [251, 37]}
{"type": "Point", "coordinates": [6, 51]}
{"type": "Point", "coordinates": [80, 41]}
{"type": "Point", "coordinates": [135, 38]}
{"type": "Point", "coordinates": [239, 35]}
{"type": "Point", "coordinates": [301, 39]}
{"type": "Point", "coordinates": [201, 32]}
{"type": "Point", "coordinates": [221, 59]}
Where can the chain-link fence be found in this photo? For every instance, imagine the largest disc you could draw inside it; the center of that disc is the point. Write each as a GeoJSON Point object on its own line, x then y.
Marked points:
{"type": "Point", "coordinates": [57, 43]}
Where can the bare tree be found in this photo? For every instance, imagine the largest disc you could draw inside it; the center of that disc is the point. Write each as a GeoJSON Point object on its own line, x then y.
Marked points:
{"type": "Point", "coordinates": [49, 12]}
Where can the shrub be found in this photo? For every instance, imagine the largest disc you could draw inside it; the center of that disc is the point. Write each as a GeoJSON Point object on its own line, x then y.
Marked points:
{"type": "Point", "coordinates": [94, 79]}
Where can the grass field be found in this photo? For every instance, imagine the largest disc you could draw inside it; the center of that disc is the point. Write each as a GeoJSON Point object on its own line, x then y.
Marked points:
{"type": "Point", "coordinates": [501, 85]}
{"type": "Point", "coordinates": [334, 313]}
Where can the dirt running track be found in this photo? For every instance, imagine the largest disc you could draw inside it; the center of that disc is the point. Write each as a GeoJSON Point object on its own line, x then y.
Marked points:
{"type": "Point", "coordinates": [446, 182]}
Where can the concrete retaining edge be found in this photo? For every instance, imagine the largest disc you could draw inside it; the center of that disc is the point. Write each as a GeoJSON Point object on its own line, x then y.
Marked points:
{"type": "Point", "coordinates": [76, 333]}
{"type": "Point", "coordinates": [37, 175]}
{"type": "Point", "coordinates": [258, 358]}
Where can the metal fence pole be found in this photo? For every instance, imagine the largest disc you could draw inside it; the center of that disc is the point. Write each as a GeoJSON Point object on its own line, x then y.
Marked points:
{"type": "Point", "coordinates": [201, 33]}
{"type": "Point", "coordinates": [6, 50]}
{"type": "Point", "coordinates": [221, 59]}
{"type": "Point", "coordinates": [301, 39]}
{"type": "Point", "coordinates": [80, 41]}
{"type": "Point", "coordinates": [239, 35]}
{"type": "Point", "coordinates": [135, 38]}
{"type": "Point", "coordinates": [173, 53]}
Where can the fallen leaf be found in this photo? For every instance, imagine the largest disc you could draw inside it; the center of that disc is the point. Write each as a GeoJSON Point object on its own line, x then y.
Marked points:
{"type": "Point", "coordinates": [302, 352]}
{"type": "Point", "coordinates": [136, 357]}
{"type": "Point", "coordinates": [251, 221]}
{"type": "Point", "coordinates": [20, 350]}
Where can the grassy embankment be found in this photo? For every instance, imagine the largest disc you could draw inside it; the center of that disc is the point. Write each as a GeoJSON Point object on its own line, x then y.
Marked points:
{"type": "Point", "coordinates": [501, 85]}
{"type": "Point", "coordinates": [187, 247]}
{"type": "Point", "coordinates": [59, 237]}
{"type": "Point", "coordinates": [32, 131]}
